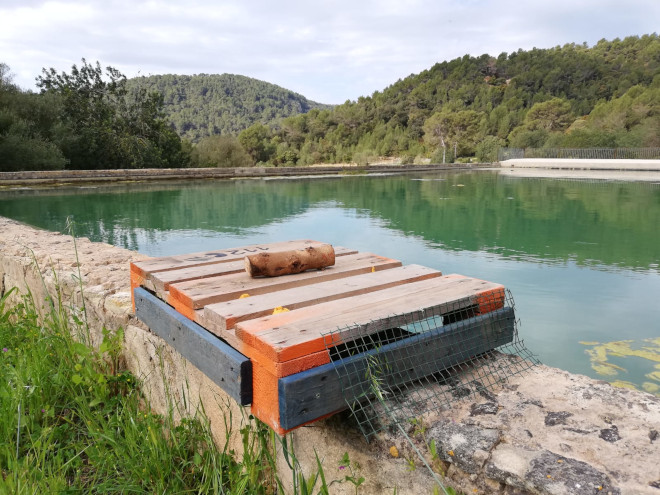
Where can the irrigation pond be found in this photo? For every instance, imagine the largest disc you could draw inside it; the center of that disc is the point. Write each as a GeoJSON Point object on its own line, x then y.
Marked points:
{"type": "Point", "coordinates": [581, 257]}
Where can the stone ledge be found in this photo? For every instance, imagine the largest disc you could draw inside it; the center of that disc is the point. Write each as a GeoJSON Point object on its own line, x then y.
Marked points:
{"type": "Point", "coordinates": [60, 177]}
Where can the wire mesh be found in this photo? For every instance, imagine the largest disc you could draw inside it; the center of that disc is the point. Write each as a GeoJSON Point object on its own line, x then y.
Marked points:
{"type": "Point", "coordinates": [394, 369]}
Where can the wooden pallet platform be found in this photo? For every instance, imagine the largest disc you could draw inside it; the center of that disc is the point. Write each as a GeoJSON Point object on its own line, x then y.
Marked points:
{"type": "Point", "coordinates": [265, 340]}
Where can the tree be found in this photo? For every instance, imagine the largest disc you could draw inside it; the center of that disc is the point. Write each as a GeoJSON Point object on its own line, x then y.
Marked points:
{"type": "Point", "coordinates": [206, 104]}
{"type": "Point", "coordinates": [458, 129]}
{"type": "Point", "coordinates": [522, 137]}
{"type": "Point", "coordinates": [487, 149]}
{"type": "Point", "coordinates": [6, 78]}
{"type": "Point", "coordinates": [436, 132]}
{"type": "Point", "coordinates": [552, 115]}
{"type": "Point", "coordinates": [220, 151]}
{"type": "Point", "coordinates": [26, 121]}
{"type": "Point", "coordinates": [103, 126]}
{"type": "Point", "coordinates": [256, 141]}
{"type": "Point", "coordinates": [20, 151]}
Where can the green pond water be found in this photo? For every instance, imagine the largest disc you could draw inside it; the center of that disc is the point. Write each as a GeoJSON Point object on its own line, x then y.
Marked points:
{"type": "Point", "coordinates": [581, 257]}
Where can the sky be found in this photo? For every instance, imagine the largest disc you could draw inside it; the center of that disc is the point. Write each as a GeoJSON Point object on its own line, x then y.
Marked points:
{"type": "Point", "coordinates": [328, 51]}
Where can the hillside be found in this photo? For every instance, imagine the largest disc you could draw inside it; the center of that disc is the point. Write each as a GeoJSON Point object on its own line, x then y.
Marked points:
{"type": "Point", "coordinates": [206, 104]}
{"type": "Point", "coordinates": [607, 95]}
{"type": "Point", "coordinates": [571, 96]}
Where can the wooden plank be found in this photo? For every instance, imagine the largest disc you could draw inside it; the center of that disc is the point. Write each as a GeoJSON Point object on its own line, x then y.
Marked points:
{"type": "Point", "coordinates": [145, 267]}
{"type": "Point", "coordinates": [304, 331]}
{"type": "Point", "coordinates": [161, 279]}
{"type": "Point", "coordinates": [199, 293]}
{"type": "Point", "coordinates": [314, 393]}
{"type": "Point", "coordinates": [164, 263]}
{"type": "Point", "coordinates": [224, 315]}
{"type": "Point", "coordinates": [226, 367]}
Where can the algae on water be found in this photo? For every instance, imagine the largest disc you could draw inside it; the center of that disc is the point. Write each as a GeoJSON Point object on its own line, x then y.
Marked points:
{"type": "Point", "coordinates": [647, 350]}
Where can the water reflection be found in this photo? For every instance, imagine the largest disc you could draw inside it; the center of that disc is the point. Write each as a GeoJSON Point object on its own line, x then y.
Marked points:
{"type": "Point", "coordinates": [590, 223]}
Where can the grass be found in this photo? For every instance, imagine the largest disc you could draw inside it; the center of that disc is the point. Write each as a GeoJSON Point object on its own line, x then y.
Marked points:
{"type": "Point", "coordinates": [75, 422]}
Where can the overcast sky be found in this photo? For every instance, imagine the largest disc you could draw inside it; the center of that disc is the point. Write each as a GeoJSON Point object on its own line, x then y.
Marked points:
{"type": "Point", "coordinates": [329, 51]}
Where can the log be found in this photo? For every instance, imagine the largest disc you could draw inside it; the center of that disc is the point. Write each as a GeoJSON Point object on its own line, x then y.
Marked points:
{"type": "Point", "coordinates": [273, 264]}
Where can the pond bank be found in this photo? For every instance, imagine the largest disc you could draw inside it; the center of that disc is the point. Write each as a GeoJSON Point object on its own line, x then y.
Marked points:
{"type": "Point", "coordinates": [63, 177]}
{"type": "Point", "coordinates": [543, 432]}
{"type": "Point", "coordinates": [583, 164]}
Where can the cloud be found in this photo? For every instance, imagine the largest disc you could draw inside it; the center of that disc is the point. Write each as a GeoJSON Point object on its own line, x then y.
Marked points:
{"type": "Point", "coordinates": [329, 51]}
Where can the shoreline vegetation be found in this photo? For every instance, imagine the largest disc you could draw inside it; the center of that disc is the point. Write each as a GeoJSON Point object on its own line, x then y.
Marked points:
{"type": "Point", "coordinates": [76, 421]}
{"type": "Point", "coordinates": [571, 96]}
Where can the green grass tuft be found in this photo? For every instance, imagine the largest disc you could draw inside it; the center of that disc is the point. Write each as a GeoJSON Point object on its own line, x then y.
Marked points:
{"type": "Point", "coordinates": [77, 423]}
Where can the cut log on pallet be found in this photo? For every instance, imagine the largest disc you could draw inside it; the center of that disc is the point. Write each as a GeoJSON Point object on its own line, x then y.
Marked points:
{"type": "Point", "coordinates": [278, 263]}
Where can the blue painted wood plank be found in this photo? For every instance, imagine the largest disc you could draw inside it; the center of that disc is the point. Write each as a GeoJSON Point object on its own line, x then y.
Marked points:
{"type": "Point", "coordinates": [308, 395]}
{"type": "Point", "coordinates": [224, 365]}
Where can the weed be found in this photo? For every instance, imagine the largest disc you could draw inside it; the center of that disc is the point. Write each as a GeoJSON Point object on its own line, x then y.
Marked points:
{"type": "Point", "coordinates": [76, 422]}
{"type": "Point", "coordinates": [352, 467]}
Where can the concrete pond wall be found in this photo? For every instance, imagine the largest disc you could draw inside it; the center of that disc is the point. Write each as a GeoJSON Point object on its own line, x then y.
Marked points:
{"type": "Point", "coordinates": [65, 177]}
{"type": "Point", "coordinates": [542, 432]}
{"type": "Point", "coordinates": [584, 164]}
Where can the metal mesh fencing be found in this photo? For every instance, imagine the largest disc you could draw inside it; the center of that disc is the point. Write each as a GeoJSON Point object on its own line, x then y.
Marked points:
{"type": "Point", "coordinates": [580, 153]}
{"type": "Point", "coordinates": [398, 368]}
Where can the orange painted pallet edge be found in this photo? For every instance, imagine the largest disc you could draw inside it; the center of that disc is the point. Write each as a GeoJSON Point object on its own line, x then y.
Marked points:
{"type": "Point", "coordinates": [262, 333]}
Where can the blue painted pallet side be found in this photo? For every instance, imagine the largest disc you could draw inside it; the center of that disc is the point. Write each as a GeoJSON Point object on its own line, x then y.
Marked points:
{"type": "Point", "coordinates": [314, 393]}
{"type": "Point", "coordinates": [224, 365]}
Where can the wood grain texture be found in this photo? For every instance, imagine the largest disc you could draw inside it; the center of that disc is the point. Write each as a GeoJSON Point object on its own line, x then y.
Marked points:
{"type": "Point", "coordinates": [317, 392]}
{"type": "Point", "coordinates": [198, 293]}
{"type": "Point", "coordinates": [147, 267]}
{"type": "Point", "coordinates": [223, 316]}
{"type": "Point", "coordinates": [162, 280]}
{"type": "Point", "coordinates": [225, 366]}
{"type": "Point", "coordinates": [278, 263]}
{"type": "Point", "coordinates": [304, 331]}
{"type": "Point", "coordinates": [163, 263]}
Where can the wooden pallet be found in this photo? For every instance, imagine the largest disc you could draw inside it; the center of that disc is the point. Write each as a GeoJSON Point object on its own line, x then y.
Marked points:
{"type": "Point", "coordinates": [279, 361]}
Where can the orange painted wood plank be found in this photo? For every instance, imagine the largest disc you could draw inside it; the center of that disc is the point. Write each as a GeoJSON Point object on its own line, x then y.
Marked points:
{"type": "Point", "coordinates": [265, 393]}
{"type": "Point", "coordinates": [198, 293]}
{"type": "Point", "coordinates": [265, 396]}
{"type": "Point", "coordinates": [162, 280]}
{"type": "Point", "coordinates": [136, 281]}
{"type": "Point", "coordinates": [304, 331]}
{"type": "Point", "coordinates": [154, 265]}
{"type": "Point", "coordinates": [278, 369]}
{"type": "Point", "coordinates": [224, 315]}
{"type": "Point", "coordinates": [490, 300]}
{"type": "Point", "coordinates": [274, 368]}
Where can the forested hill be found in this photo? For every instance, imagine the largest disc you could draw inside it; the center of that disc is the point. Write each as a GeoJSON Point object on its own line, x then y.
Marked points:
{"type": "Point", "coordinates": [206, 104]}
{"type": "Point", "coordinates": [607, 95]}
{"type": "Point", "coordinates": [571, 96]}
